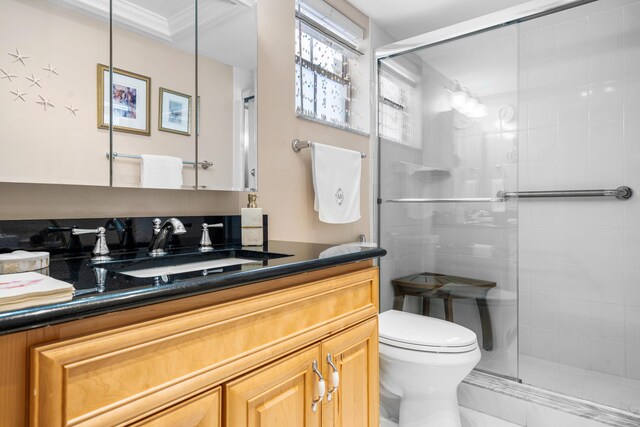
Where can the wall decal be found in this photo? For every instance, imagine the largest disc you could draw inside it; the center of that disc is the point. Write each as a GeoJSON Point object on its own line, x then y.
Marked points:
{"type": "Point", "coordinates": [19, 95]}
{"type": "Point", "coordinates": [50, 69]}
{"type": "Point", "coordinates": [72, 110]}
{"type": "Point", "coordinates": [34, 80]}
{"type": "Point", "coordinates": [7, 75]}
{"type": "Point", "coordinates": [19, 57]}
{"type": "Point", "coordinates": [45, 102]}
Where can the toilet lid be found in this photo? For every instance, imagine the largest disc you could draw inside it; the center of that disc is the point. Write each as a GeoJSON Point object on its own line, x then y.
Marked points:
{"type": "Point", "coordinates": [423, 333]}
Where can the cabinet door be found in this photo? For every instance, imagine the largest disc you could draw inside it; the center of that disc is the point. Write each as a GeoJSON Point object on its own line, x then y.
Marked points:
{"type": "Point", "coordinates": [202, 410]}
{"type": "Point", "coordinates": [279, 395]}
{"type": "Point", "coordinates": [354, 353]}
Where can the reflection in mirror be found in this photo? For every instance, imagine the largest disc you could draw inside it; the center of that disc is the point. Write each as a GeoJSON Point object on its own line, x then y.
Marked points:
{"type": "Point", "coordinates": [58, 97]}
{"type": "Point", "coordinates": [227, 61]}
{"type": "Point", "coordinates": [152, 93]}
{"type": "Point", "coordinates": [48, 57]}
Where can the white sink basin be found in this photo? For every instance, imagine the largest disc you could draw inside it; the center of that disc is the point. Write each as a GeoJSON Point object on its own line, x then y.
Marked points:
{"type": "Point", "coordinates": [188, 267]}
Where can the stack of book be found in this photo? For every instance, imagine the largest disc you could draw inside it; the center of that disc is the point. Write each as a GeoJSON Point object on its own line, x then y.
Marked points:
{"type": "Point", "coordinates": [21, 290]}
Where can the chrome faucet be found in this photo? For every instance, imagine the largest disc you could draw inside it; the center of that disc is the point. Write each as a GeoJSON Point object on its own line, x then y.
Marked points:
{"type": "Point", "coordinates": [205, 239]}
{"type": "Point", "coordinates": [124, 230]}
{"type": "Point", "coordinates": [159, 240]}
{"type": "Point", "coordinates": [100, 249]}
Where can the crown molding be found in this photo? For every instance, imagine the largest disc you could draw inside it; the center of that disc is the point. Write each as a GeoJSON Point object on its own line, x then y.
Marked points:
{"type": "Point", "coordinates": [125, 14]}
{"type": "Point", "coordinates": [144, 21]}
{"type": "Point", "coordinates": [208, 14]}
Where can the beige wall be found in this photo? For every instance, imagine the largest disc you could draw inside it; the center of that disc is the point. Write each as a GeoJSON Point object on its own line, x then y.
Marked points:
{"type": "Point", "coordinates": [286, 191]}
{"type": "Point", "coordinates": [51, 142]}
{"type": "Point", "coordinates": [36, 144]}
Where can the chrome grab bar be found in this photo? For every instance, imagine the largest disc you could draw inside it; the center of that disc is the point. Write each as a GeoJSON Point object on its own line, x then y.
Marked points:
{"type": "Point", "coordinates": [620, 193]}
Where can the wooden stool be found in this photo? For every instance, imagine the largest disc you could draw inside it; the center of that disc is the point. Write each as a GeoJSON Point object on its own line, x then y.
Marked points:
{"type": "Point", "coordinates": [448, 288]}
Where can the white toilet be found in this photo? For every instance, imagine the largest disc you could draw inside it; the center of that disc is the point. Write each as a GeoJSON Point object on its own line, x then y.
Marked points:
{"type": "Point", "coordinates": [422, 361]}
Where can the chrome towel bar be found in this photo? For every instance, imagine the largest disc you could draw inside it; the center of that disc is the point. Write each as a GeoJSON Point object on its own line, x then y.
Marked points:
{"type": "Point", "coordinates": [204, 164]}
{"type": "Point", "coordinates": [620, 193]}
{"type": "Point", "coordinates": [297, 145]}
{"type": "Point", "coordinates": [447, 200]}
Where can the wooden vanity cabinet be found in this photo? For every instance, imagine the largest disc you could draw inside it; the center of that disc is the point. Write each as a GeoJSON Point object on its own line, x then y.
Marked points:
{"type": "Point", "coordinates": [287, 392]}
{"type": "Point", "coordinates": [252, 356]}
{"type": "Point", "coordinates": [355, 355]}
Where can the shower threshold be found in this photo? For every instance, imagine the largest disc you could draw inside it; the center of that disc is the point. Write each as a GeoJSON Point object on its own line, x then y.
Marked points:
{"type": "Point", "coordinates": [514, 398]}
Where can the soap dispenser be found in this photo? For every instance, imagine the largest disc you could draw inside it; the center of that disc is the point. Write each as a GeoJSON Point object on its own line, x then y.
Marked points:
{"type": "Point", "coordinates": [251, 223]}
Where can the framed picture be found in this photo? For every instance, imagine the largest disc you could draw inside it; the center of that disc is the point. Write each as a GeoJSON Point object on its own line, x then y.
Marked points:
{"type": "Point", "coordinates": [131, 96]}
{"type": "Point", "coordinates": [175, 112]}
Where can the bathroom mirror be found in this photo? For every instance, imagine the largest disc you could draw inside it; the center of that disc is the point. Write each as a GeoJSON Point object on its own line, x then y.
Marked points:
{"type": "Point", "coordinates": [48, 57]}
{"type": "Point", "coordinates": [227, 63]}
{"type": "Point", "coordinates": [57, 102]}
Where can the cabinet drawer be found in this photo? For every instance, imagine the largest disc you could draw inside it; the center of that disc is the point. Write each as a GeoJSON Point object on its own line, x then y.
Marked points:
{"type": "Point", "coordinates": [203, 410]}
{"type": "Point", "coordinates": [114, 376]}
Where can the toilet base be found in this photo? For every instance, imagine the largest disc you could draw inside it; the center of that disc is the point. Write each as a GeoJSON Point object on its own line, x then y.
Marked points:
{"type": "Point", "coordinates": [434, 411]}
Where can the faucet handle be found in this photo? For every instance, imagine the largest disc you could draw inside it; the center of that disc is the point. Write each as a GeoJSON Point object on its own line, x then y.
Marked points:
{"type": "Point", "coordinates": [205, 240]}
{"type": "Point", "coordinates": [157, 225]}
{"type": "Point", "coordinates": [100, 249]}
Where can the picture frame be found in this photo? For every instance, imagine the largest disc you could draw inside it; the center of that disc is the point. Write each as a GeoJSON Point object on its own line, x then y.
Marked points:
{"type": "Point", "coordinates": [174, 113]}
{"type": "Point", "coordinates": [131, 95]}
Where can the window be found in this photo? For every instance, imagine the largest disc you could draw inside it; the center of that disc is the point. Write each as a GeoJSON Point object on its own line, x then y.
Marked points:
{"type": "Point", "coordinates": [325, 64]}
{"type": "Point", "coordinates": [396, 90]}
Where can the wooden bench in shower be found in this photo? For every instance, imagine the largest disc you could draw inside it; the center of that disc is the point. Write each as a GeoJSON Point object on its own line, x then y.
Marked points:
{"type": "Point", "coordinates": [448, 288]}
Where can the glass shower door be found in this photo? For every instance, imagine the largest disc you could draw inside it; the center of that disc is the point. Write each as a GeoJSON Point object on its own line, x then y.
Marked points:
{"type": "Point", "coordinates": [448, 135]}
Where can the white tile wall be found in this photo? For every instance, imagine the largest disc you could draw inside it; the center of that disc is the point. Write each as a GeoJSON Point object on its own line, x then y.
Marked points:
{"type": "Point", "coordinates": [579, 289]}
{"type": "Point", "coordinates": [470, 240]}
{"type": "Point", "coordinates": [577, 260]}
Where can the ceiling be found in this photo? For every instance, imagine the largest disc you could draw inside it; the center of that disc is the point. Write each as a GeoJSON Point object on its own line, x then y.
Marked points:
{"type": "Point", "coordinates": [408, 18]}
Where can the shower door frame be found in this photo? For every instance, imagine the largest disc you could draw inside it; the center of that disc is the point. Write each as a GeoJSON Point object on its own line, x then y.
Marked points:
{"type": "Point", "coordinates": [493, 21]}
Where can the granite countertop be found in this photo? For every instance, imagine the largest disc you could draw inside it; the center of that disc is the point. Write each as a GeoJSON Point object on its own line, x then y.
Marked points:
{"type": "Point", "coordinates": [119, 291]}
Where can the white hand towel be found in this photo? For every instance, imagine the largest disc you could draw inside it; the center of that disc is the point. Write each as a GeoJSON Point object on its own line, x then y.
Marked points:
{"type": "Point", "coordinates": [336, 181]}
{"type": "Point", "coordinates": [160, 172]}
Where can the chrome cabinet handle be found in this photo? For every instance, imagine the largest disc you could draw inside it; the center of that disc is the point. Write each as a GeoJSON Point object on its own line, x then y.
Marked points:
{"type": "Point", "coordinates": [320, 387]}
{"type": "Point", "coordinates": [335, 378]}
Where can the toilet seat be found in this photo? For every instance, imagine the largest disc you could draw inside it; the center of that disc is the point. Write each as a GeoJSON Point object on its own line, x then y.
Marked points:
{"type": "Point", "coordinates": [425, 334]}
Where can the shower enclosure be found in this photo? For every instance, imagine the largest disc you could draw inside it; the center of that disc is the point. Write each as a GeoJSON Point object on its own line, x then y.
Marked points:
{"type": "Point", "coordinates": [508, 152]}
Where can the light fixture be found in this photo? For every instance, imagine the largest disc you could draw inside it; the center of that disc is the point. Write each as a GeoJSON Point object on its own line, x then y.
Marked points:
{"type": "Point", "coordinates": [480, 110]}
{"type": "Point", "coordinates": [463, 102]}
{"type": "Point", "coordinates": [459, 98]}
{"type": "Point", "coordinates": [469, 107]}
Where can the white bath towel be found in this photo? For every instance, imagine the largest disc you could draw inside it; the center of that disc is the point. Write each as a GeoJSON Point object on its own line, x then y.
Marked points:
{"type": "Point", "coordinates": [160, 172]}
{"type": "Point", "coordinates": [336, 181]}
